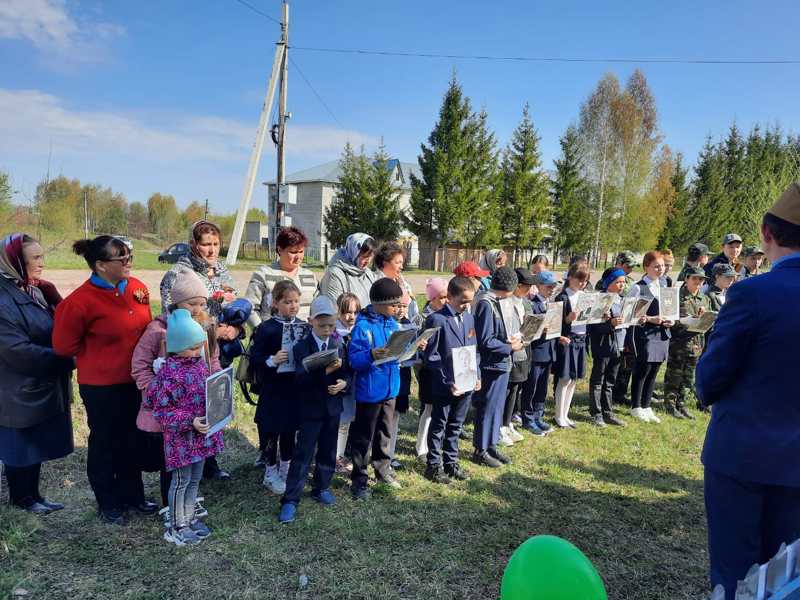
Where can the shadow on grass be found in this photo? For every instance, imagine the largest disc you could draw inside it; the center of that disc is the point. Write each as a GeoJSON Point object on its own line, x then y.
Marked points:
{"type": "Point", "coordinates": [642, 527]}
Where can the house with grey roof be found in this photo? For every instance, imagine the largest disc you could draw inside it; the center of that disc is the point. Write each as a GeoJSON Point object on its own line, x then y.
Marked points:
{"type": "Point", "coordinates": [316, 189]}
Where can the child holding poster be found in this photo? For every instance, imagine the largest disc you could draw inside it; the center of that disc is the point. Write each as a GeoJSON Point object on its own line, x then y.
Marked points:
{"type": "Point", "coordinates": [275, 414]}
{"type": "Point", "coordinates": [177, 397]}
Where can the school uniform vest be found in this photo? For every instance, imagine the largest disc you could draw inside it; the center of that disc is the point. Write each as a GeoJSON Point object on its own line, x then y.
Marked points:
{"type": "Point", "coordinates": [651, 341]}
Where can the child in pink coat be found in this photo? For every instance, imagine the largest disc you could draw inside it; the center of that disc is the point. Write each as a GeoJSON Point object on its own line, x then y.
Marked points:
{"type": "Point", "coordinates": [178, 401]}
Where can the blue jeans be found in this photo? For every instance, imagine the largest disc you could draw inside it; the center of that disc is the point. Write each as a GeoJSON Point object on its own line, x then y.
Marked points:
{"type": "Point", "coordinates": [183, 493]}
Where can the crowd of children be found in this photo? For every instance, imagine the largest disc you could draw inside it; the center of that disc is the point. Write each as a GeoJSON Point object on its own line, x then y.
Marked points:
{"type": "Point", "coordinates": [341, 414]}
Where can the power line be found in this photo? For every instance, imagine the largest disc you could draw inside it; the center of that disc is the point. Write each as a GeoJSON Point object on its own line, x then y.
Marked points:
{"type": "Point", "coordinates": [255, 10]}
{"type": "Point", "coordinates": [553, 59]}
{"type": "Point", "coordinates": [321, 101]}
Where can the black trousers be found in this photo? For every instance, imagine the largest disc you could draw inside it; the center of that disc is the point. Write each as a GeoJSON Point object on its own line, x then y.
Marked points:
{"type": "Point", "coordinates": [513, 401]}
{"type": "Point", "coordinates": [601, 384]}
{"type": "Point", "coordinates": [112, 463]}
{"type": "Point", "coordinates": [747, 522]}
{"type": "Point", "coordinates": [643, 382]}
{"type": "Point", "coordinates": [447, 419]}
{"type": "Point", "coordinates": [322, 435]}
{"type": "Point", "coordinates": [23, 484]}
{"type": "Point", "coordinates": [284, 441]}
{"type": "Point", "coordinates": [623, 379]}
{"type": "Point", "coordinates": [372, 429]}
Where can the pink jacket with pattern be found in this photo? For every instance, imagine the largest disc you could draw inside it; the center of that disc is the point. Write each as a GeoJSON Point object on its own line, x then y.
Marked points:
{"type": "Point", "coordinates": [176, 396]}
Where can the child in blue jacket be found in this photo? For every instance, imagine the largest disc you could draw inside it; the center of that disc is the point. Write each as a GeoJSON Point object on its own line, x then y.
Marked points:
{"type": "Point", "coordinates": [376, 386]}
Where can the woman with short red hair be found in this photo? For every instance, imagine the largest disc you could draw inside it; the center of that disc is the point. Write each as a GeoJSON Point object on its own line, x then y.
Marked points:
{"type": "Point", "coordinates": [650, 338]}
{"type": "Point", "coordinates": [291, 248]}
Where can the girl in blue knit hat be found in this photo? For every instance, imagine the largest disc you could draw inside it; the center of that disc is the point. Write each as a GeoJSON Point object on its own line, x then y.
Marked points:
{"type": "Point", "coordinates": [177, 397]}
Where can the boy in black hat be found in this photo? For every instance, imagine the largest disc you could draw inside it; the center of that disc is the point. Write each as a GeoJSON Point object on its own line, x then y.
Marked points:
{"type": "Point", "coordinates": [697, 256]}
{"type": "Point", "coordinates": [376, 386]}
{"type": "Point", "coordinates": [495, 349]}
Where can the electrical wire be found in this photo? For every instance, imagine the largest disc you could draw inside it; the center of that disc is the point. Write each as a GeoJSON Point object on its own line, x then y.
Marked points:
{"type": "Point", "coordinates": [321, 101]}
{"type": "Point", "coordinates": [552, 59]}
{"type": "Point", "coordinates": [255, 10]}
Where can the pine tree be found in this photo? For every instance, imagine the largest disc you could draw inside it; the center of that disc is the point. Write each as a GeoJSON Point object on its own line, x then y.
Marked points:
{"type": "Point", "coordinates": [479, 197]}
{"type": "Point", "coordinates": [383, 218]}
{"type": "Point", "coordinates": [438, 198]}
{"type": "Point", "coordinates": [367, 199]}
{"type": "Point", "coordinates": [573, 218]}
{"type": "Point", "coordinates": [676, 233]}
{"type": "Point", "coordinates": [525, 194]}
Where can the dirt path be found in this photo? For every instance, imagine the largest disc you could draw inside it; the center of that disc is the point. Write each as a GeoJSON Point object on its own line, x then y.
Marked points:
{"type": "Point", "coordinates": [67, 280]}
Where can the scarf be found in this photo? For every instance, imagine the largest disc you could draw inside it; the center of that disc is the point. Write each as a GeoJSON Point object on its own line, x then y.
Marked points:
{"type": "Point", "coordinates": [12, 267]}
{"type": "Point", "coordinates": [611, 277]}
{"type": "Point", "coordinates": [352, 246]}
{"type": "Point", "coordinates": [489, 260]}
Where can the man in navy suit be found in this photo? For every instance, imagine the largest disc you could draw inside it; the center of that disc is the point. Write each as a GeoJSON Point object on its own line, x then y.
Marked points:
{"type": "Point", "coordinates": [450, 404]}
{"type": "Point", "coordinates": [748, 375]}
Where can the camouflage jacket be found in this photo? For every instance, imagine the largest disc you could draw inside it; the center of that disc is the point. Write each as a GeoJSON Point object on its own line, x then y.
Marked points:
{"type": "Point", "coordinates": [683, 341]}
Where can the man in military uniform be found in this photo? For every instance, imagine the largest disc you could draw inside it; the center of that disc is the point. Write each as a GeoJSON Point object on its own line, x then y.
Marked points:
{"type": "Point", "coordinates": [697, 256]}
{"type": "Point", "coordinates": [627, 262]}
{"type": "Point", "coordinates": [685, 347]}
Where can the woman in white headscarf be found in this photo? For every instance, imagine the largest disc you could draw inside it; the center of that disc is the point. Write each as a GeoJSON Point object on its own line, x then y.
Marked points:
{"type": "Point", "coordinates": [491, 261]}
{"type": "Point", "coordinates": [349, 270]}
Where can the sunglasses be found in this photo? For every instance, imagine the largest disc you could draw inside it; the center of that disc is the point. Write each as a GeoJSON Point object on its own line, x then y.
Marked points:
{"type": "Point", "coordinates": [123, 260]}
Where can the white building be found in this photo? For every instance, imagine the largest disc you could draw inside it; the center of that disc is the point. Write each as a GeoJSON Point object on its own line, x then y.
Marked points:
{"type": "Point", "coordinates": [316, 189]}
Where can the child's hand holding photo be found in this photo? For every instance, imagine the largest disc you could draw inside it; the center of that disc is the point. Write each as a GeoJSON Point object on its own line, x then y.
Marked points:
{"type": "Point", "coordinates": [281, 357]}
{"type": "Point", "coordinates": [200, 424]}
{"type": "Point", "coordinates": [337, 387]}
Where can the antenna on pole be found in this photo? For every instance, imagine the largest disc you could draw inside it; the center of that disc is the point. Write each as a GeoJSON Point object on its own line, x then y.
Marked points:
{"type": "Point", "coordinates": [279, 70]}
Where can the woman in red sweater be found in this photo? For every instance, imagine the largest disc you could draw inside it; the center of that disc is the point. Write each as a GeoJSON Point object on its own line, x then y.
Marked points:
{"type": "Point", "coordinates": [99, 324]}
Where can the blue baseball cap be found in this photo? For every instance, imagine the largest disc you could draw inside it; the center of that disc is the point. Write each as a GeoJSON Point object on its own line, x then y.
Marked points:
{"type": "Point", "coordinates": [545, 278]}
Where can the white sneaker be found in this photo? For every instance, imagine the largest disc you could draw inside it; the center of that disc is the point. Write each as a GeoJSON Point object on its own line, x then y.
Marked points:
{"type": "Point", "coordinates": [641, 414]}
{"type": "Point", "coordinates": [505, 437]}
{"type": "Point", "coordinates": [273, 482]}
{"type": "Point", "coordinates": [515, 435]}
{"type": "Point", "coordinates": [165, 516]}
{"type": "Point", "coordinates": [651, 416]}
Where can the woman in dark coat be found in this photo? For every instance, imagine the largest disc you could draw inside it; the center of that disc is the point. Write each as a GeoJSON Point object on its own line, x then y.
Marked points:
{"type": "Point", "coordinates": [35, 395]}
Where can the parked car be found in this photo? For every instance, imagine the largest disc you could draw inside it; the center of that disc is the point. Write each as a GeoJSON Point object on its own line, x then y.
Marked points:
{"type": "Point", "coordinates": [173, 253]}
{"type": "Point", "coordinates": [125, 240]}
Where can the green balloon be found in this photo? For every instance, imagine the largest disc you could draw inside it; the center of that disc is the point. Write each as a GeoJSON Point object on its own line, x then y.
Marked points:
{"type": "Point", "coordinates": [546, 567]}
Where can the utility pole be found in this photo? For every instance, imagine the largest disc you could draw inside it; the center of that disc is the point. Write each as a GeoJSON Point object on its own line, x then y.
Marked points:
{"type": "Point", "coordinates": [279, 66]}
{"type": "Point", "coordinates": [85, 215]}
{"type": "Point", "coordinates": [276, 216]}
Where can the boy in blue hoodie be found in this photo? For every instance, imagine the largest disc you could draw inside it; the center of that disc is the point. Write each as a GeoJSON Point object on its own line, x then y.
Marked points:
{"type": "Point", "coordinates": [376, 386]}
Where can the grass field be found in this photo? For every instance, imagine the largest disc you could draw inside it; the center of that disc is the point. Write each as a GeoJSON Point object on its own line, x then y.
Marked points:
{"type": "Point", "coordinates": [630, 498]}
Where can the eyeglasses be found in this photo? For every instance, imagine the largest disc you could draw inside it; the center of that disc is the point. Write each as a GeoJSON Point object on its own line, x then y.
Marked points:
{"type": "Point", "coordinates": [123, 260]}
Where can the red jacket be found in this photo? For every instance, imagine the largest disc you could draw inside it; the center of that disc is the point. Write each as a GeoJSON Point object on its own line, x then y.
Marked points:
{"type": "Point", "coordinates": [100, 328]}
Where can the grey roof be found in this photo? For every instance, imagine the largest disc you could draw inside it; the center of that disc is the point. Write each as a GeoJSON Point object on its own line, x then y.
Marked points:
{"type": "Point", "coordinates": [329, 173]}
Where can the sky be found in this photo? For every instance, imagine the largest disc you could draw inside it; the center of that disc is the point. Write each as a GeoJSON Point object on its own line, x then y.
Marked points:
{"type": "Point", "coordinates": [165, 96]}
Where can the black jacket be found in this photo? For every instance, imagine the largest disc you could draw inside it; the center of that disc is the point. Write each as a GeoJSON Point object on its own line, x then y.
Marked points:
{"type": "Point", "coordinates": [313, 400]}
{"type": "Point", "coordinates": [35, 383]}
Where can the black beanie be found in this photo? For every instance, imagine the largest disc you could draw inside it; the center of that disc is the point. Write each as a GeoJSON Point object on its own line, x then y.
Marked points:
{"type": "Point", "coordinates": [504, 279]}
{"type": "Point", "coordinates": [385, 291]}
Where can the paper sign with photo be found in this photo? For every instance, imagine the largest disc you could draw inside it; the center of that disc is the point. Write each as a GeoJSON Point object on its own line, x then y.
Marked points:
{"type": "Point", "coordinates": [531, 327]}
{"type": "Point", "coordinates": [628, 306]}
{"type": "Point", "coordinates": [219, 400]}
{"type": "Point", "coordinates": [415, 344]}
{"type": "Point", "coordinates": [700, 324]}
{"type": "Point", "coordinates": [582, 304]}
{"type": "Point", "coordinates": [465, 369]}
{"type": "Point", "coordinates": [552, 321]}
{"type": "Point", "coordinates": [397, 345]}
{"type": "Point", "coordinates": [602, 306]}
{"type": "Point", "coordinates": [292, 333]}
{"type": "Point", "coordinates": [320, 360]}
{"type": "Point", "coordinates": [669, 303]}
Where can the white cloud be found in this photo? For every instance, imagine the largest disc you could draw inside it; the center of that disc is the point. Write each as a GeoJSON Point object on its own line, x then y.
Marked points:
{"type": "Point", "coordinates": [49, 27]}
{"type": "Point", "coordinates": [30, 120]}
